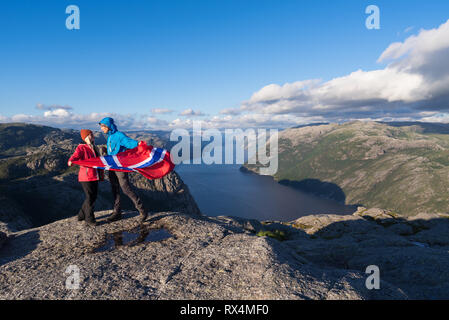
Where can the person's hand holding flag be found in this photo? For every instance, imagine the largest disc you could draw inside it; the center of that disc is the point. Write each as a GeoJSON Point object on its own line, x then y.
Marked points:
{"type": "Point", "coordinates": [151, 162]}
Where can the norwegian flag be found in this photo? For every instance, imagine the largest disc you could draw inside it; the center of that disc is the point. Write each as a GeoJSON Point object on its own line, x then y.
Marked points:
{"type": "Point", "coordinates": [151, 162]}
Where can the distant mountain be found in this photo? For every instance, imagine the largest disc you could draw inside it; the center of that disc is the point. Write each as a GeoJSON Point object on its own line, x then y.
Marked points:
{"type": "Point", "coordinates": [180, 254]}
{"type": "Point", "coordinates": [423, 127]}
{"type": "Point", "coordinates": [310, 125]}
{"type": "Point", "coordinates": [37, 186]}
{"type": "Point", "coordinates": [398, 166]}
{"type": "Point", "coordinates": [18, 139]}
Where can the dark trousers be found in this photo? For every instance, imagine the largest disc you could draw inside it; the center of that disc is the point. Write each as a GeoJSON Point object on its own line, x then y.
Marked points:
{"type": "Point", "coordinates": [121, 180]}
{"type": "Point", "coordinates": [90, 190]}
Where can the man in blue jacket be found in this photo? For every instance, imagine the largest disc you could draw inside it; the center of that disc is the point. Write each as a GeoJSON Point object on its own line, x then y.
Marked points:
{"type": "Point", "coordinates": [119, 142]}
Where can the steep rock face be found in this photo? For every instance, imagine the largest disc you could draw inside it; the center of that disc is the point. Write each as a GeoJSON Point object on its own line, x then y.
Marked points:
{"type": "Point", "coordinates": [167, 193]}
{"type": "Point", "coordinates": [37, 187]}
{"type": "Point", "coordinates": [199, 258]}
{"type": "Point", "coordinates": [41, 200]}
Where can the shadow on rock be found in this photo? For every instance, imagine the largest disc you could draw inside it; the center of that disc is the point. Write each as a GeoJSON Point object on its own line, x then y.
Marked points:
{"type": "Point", "coordinates": [411, 253]}
{"type": "Point", "coordinates": [63, 196]}
{"type": "Point", "coordinates": [18, 246]}
{"type": "Point", "coordinates": [318, 188]}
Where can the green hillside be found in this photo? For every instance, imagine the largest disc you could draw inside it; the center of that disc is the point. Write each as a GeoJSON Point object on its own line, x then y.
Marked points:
{"type": "Point", "coordinates": [400, 168]}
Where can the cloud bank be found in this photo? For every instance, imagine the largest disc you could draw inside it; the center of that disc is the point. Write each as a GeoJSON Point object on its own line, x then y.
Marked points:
{"type": "Point", "coordinates": [161, 111]}
{"type": "Point", "coordinates": [411, 84]}
{"type": "Point", "coordinates": [191, 113]}
{"type": "Point", "coordinates": [415, 80]}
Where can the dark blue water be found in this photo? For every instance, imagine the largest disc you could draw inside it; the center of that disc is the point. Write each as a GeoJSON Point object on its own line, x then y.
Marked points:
{"type": "Point", "coordinates": [225, 190]}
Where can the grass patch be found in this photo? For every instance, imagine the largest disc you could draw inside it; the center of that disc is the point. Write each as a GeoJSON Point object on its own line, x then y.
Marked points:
{"type": "Point", "coordinates": [276, 234]}
{"type": "Point", "coordinates": [301, 226]}
{"type": "Point", "coordinates": [394, 214]}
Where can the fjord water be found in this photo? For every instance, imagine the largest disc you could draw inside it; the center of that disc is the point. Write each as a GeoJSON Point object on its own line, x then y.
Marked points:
{"type": "Point", "coordinates": [225, 190]}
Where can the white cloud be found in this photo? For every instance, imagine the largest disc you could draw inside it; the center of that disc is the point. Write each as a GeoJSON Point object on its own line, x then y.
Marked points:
{"type": "Point", "coordinates": [156, 122]}
{"type": "Point", "coordinates": [61, 118]}
{"type": "Point", "coordinates": [191, 113]}
{"type": "Point", "coordinates": [231, 111]}
{"type": "Point", "coordinates": [41, 106]}
{"type": "Point", "coordinates": [417, 79]}
{"type": "Point", "coordinates": [408, 29]}
{"type": "Point", "coordinates": [413, 84]}
{"type": "Point", "coordinates": [21, 118]}
{"type": "Point", "coordinates": [56, 113]}
{"type": "Point", "coordinates": [161, 111]}
{"type": "Point", "coordinates": [287, 91]}
{"type": "Point", "coordinates": [427, 41]}
{"type": "Point", "coordinates": [252, 120]}
{"type": "Point", "coordinates": [439, 117]}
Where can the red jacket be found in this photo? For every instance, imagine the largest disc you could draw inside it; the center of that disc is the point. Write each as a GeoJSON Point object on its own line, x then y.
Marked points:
{"type": "Point", "coordinates": [83, 152]}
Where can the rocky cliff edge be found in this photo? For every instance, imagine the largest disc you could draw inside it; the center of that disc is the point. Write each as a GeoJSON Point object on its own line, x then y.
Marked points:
{"type": "Point", "coordinates": [183, 256]}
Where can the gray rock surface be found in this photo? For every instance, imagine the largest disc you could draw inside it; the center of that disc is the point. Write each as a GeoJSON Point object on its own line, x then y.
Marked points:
{"type": "Point", "coordinates": [205, 258]}
{"type": "Point", "coordinates": [411, 253]}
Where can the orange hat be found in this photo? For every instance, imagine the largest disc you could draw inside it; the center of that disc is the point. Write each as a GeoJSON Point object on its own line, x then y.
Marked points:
{"type": "Point", "coordinates": [85, 133]}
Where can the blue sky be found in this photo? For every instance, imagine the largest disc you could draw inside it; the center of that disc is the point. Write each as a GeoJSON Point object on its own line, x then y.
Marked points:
{"type": "Point", "coordinates": [130, 57]}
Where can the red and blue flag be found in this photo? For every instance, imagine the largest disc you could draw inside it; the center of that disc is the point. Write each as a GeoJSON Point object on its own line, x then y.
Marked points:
{"type": "Point", "coordinates": [151, 162]}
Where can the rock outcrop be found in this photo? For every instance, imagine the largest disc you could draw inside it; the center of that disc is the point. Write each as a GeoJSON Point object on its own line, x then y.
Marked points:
{"type": "Point", "coordinates": [38, 200]}
{"type": "Point", "coordinates": [411, 252]}
{"type": "Point", "coordinates": [37, 187]}
{"type": "Point", "coordinates": [180, 256]}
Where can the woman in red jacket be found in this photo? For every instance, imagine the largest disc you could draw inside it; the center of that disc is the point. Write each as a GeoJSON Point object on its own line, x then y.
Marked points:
{"type": "Point", "coordinates": [88, 177]}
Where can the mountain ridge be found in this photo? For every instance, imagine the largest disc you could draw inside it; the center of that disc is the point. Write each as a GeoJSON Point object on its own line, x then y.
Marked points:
{"type": "Point", "coordinates": [369, 163]}
{"type": "Point", "coordinates": [179, 253]}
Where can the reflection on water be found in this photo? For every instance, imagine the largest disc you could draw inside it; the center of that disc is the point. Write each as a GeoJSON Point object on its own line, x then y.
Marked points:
{"type": "Point", "coordinates": [225, 190]}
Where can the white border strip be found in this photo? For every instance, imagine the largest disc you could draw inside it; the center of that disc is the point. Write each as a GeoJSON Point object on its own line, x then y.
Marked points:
{"type": "Point", "coordinates": [144, 161]}
{"type": "Point", "coordinates": [106, 166]}
{"type": "Point", "coordinates": [116, 161]}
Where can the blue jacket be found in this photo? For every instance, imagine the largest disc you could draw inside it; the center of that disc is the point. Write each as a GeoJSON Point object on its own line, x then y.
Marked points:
{"type": "Point", "coordinates": [117, 140]}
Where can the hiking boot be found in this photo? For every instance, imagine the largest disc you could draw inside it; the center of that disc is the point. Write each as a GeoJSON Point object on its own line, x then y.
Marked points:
{"type": "Point", "coordinates": [114, 217]}
{"type": "Point", "coordinates": [143, 216]}
{"type": "Point", "coordinates": [91, 222]}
